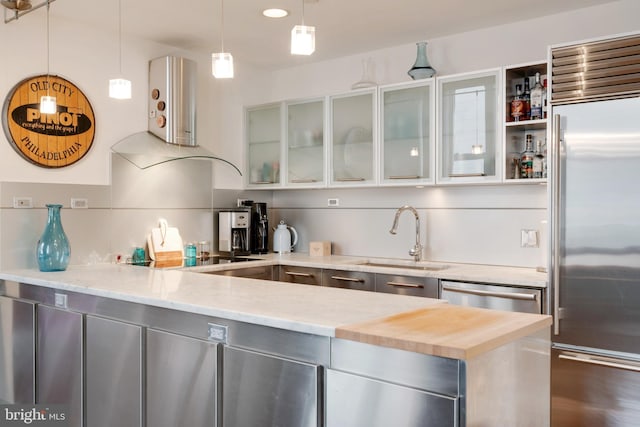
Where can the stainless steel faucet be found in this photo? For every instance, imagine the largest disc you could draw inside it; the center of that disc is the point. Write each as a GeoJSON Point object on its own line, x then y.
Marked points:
{"type": "Point", "coordinates": [416, 251]}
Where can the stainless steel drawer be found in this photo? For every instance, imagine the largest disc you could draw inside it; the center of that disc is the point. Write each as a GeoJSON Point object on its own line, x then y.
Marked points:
{"type": "Point", "coordinates": [302, 275]}
{"type": "Point", "coordinates": [348, 279]}
{"type": "Point", "coordinates": [507, 298]}
{"type": "Point", "coordinates": [356, 401]}
{"type": "Point", "coordinates": [407, 285]}
{"type": "Point", "coordinates": [264, 272]}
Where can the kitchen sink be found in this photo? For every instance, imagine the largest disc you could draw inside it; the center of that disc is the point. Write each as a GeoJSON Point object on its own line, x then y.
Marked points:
{"type": "Point", "coordinates": [407, 265]}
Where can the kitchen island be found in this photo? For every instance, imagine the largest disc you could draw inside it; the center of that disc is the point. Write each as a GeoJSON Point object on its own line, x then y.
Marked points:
{"type": "Point", "coordinates": [216, 348]}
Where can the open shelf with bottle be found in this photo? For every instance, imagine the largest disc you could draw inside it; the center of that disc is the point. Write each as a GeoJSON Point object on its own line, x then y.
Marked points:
{"type": "Point", "coordinates": [517, 129]}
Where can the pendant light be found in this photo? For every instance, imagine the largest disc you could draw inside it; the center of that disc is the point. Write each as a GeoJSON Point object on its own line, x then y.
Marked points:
{"type": "Point", "coordinates": [222, 62]}
{"type": "Point", "coordinates": [120, 88]}
{"type": "Point", "coordinates": [303, 38]}
{"type": "Point", "coordinates": [47, 102]}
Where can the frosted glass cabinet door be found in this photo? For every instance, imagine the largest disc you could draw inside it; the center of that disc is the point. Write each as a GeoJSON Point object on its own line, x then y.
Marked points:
{"type": "Point", "coordinates": [305, 144]}
{"type": "Point", "coordinates": [263, 126]}
{"type": "Point", "coordinates": [408, 133]}
{"type": "Point", "coordinates": [352, 139]}
{"type": "Point", "coordinates": [469, 128]}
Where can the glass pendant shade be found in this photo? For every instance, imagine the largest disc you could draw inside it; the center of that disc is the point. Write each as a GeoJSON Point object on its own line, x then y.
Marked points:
{"type": "Point", "coordinates": [48, 104]}
{"type": "Point", "coordinates": [120, 89]}
{"type": "Point", "coordinates": [222, 65]}
{"type": "Point", "coordinates": [303, 40]}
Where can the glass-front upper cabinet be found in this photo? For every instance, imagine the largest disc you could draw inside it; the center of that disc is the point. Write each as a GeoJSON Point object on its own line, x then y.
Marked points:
{"type": "Point", "coordinates": [469, 128]}
{"type": "Point", "coordinates": [263, 126]}
{"type": "Point", "coordinates": [353, 134]}
{"type": "Point", "coordinates": [305, 154]}
{"type": "Point", "coordinates": [408, 133]}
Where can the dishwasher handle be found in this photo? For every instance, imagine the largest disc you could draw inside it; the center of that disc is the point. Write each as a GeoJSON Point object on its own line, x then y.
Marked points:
{"type": "Point", "coordinates": [508, 295]}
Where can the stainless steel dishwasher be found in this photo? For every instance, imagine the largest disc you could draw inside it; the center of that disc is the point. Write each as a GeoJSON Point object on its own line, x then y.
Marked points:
{"type": "Point", "coordinates": [496, 297]}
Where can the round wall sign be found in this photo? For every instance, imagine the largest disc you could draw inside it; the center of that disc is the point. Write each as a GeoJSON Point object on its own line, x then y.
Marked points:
{"type": "Point", "coordinates": [48, 140]}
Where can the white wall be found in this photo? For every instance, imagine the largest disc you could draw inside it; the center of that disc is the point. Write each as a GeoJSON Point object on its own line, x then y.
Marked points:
{"type": "Point", "coordinates": [478, 224]}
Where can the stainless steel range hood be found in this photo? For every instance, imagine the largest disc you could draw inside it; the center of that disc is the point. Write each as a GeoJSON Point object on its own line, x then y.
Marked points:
{"type": "Point", "coordinates": [172, 118]}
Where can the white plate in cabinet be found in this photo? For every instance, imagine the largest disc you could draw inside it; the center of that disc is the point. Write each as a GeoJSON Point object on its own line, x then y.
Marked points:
{"type": "Point", "coordinates": [407, 133]}
{"type": "Point", "coordinates": [352, 152]}
{"type": "Point", "coordinates": [263, 136]}
{"type": "Point", "coordinates": [469, 128]}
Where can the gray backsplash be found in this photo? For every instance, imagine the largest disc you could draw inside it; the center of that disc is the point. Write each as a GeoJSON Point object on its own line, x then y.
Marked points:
{"type": "Point", "coordinates": [477, 224]}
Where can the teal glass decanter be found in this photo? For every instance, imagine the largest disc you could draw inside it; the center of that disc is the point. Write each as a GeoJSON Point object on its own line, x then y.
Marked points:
{"type": "Point", "coordinates": [53, 248]}
{"type": "Point", "coordinates": [421, 69]}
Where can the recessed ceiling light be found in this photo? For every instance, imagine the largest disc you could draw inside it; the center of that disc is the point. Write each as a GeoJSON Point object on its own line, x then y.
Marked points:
{"type": "Point", "coordinates": [275, 13]}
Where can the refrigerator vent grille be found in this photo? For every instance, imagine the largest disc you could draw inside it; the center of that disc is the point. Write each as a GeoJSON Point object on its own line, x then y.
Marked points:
{"type": "Point", "coordinates": [604, 69]}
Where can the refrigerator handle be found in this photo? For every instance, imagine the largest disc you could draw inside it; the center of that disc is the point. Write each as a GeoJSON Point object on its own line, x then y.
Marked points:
{"type": "Point", "coordinates": [555, 224]}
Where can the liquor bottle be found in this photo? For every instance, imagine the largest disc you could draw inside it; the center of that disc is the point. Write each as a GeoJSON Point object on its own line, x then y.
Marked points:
{"type": "Point", "coordinates": [536, 99]}
{"type": "Point", "coordinates": [538, 161]}
{"type": "Point", "coordinates": [544, 99]}
{"type": "Point", "coordinates": [526, 159]}
{"type": "Point", "coordinates": [517, 105]}
{"type": "Point", "coordinates": [526, 96]}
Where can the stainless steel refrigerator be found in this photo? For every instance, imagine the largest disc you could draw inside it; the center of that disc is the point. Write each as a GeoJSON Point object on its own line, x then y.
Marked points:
{"type": "Point", "coordinates": [595, 268]}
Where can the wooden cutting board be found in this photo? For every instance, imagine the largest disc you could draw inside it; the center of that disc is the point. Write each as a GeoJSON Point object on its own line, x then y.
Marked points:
{"type": "Point", "coordinates": [446, 330]}
{"type": "Point", "coordinates": [165, 243]}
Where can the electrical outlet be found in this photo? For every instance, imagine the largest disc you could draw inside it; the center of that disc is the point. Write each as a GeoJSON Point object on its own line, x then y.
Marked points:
{"type": "Point", "coordinates": [240, 202]}
{"type": "Point", "coordinates": [333, 202]}
{"type": "Point", "coordinates": [22, 202]}
{"type": "Point", "coordinates": [528, 238]}
{"type": "Point", "coordinates": [60, 300]}
{"type": "Point", "coordinates": [79, 203]}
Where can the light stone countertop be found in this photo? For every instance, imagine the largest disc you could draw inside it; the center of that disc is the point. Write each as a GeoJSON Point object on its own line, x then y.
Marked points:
{"type": "Point", "coordinates": [303, 308]}
{"type": "Point", "coordinates": [478, 273]}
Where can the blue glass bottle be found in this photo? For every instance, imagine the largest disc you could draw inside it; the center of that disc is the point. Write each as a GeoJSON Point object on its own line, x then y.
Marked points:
{"type": "Point", "coordinates": [53, 248]}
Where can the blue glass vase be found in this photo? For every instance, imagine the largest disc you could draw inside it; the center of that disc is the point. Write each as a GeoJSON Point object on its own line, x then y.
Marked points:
{"type": "Point", "coordinates": [53, 249]}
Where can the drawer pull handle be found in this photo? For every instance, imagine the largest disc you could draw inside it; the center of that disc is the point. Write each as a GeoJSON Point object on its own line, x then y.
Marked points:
{"type": "Point", "coordinates": [593, 360]}
{"type": "Point", "coordinates": [303, 181]}
{"type": "Point", "coordinates": [293, 273]}
{"type": "Point", "coordinates": [508, 295]}
{"type": "Point", "coordinates": [405, 285]}
{"type": "Point", "coordinates": [348, 279]}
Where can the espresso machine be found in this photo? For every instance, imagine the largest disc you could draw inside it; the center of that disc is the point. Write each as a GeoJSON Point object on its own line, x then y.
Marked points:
{"type": "Point", "coordinates": [234, 232]}
{"type": "Point", "coordinates": [259, 229]}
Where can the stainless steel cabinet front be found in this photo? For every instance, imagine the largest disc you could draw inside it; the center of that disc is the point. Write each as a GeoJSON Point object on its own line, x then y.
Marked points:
{"type": "Point", "coordinates": [114, 373]}
{"type": "Point", "coordinates": [348, 279]}
{"type": "Point", "coordinates": [59, 361]}
{"type": "Point", "coordinates": [17, 351]}
{"type": "Point", "coordinates": [262, 390]}
{"type": "Point", "coordinates": [181, 380]}
{"type": "Point", "coordinates": [589, 390]}
{"type": "Point", "coordinates": [356, 401]}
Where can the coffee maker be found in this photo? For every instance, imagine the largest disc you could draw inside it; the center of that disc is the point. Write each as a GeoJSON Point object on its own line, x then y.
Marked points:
{"type": "Point", "coordinates": [234, 232]}
{"type": "Point", "coordinates": [259, 229]}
